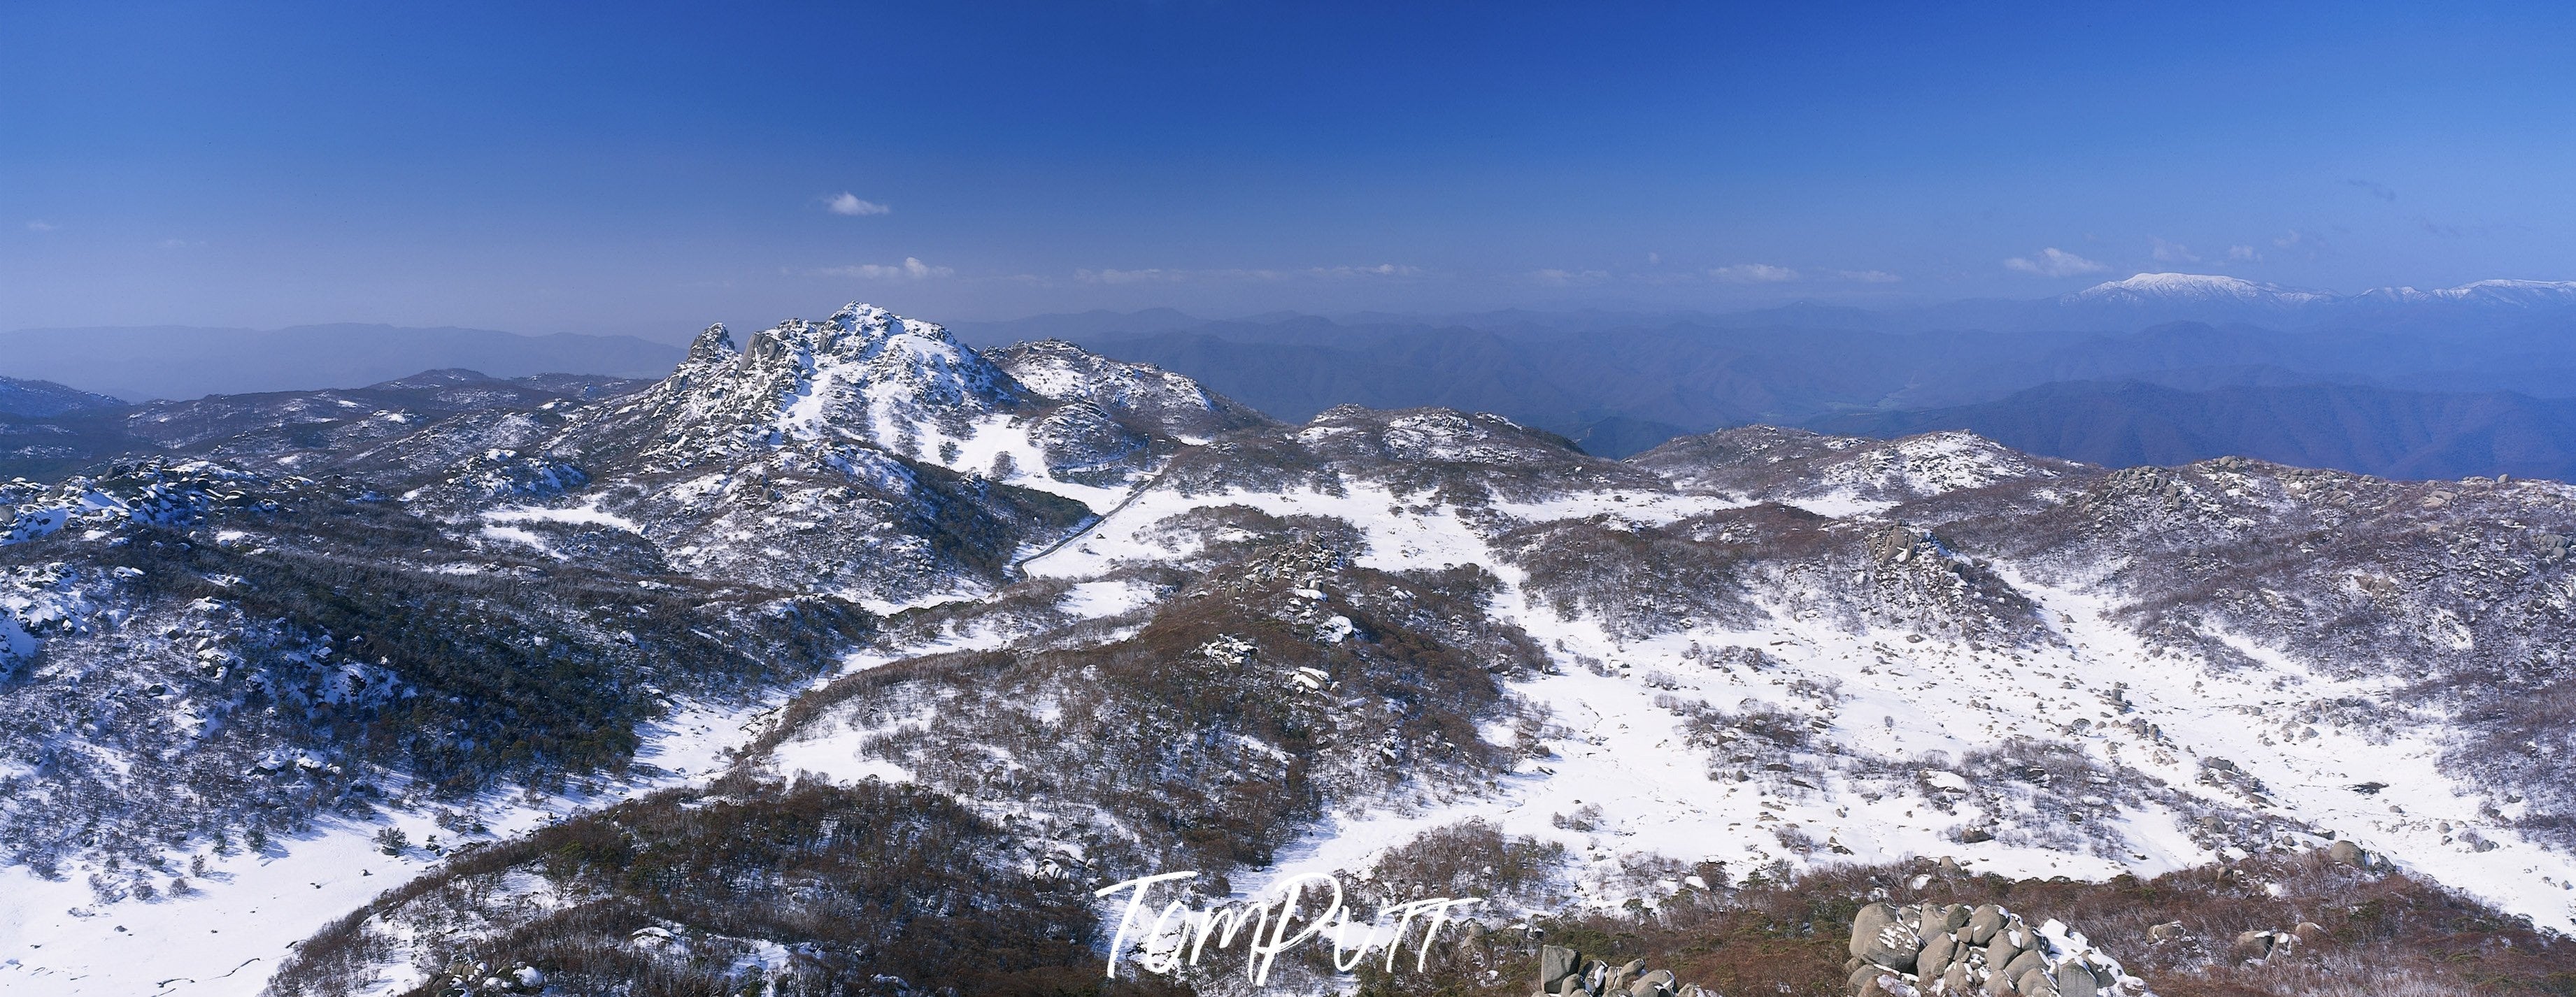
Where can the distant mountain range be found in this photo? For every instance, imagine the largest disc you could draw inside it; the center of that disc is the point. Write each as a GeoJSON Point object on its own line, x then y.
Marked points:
{"type": "Point", "coordinates": [2154, 368]}
{"type": "Point", "coordinates": [2118, 306]}
{"type": "Point", "coordinates": [179, 362]}
{"type": "Point", "coordinates": [2162, 289]}
{"type": "Point", "coordinates": [2150, 298]}
{"type": "Point", "coordinates": [2395, 434]}
{"type": "Point", "coordinates": [47, 430]}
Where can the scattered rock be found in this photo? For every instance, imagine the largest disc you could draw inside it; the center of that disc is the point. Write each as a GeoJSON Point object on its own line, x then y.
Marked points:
{"type": "Point", "coordinates": [1983, 923]}
{"type": "Point", "coordinates": [2003, 948]}
{"type": "Point", "coordinates": [1960, 950]}
{"type": "Point", "coordinates": [1935, 960]}
{"type": "Point", "coordinates": [1887, 936]}
{"type": "Point", "coordinates": [1564, 972]}
{"type": "Point", "coordinates": [2347, 853]}
{"type": "Point", "coordinates": [2025, 963]}
{"type": "Point", "coordinates": [1555, 963]}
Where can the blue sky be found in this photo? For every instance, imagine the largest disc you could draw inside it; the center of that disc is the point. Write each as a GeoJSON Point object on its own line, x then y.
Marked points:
{"type": "Point", "coordinates": [647, 168]}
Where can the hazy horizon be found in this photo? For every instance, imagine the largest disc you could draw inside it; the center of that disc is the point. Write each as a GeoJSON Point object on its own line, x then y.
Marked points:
{"type": "Point", "coordinates": [679, 332]}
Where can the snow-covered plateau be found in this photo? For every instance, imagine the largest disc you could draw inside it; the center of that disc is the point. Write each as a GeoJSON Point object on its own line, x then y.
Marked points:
{"type": "Point", "coordinates": [1061, 620]}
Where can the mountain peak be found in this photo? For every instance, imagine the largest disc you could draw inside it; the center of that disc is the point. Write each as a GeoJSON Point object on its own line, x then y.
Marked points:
{"type": "Point", "coordinates": [858, 312]}
{"type": "Point", "coordinates": [2490, 293]}
{"type": "Point", "coordinates": [866, 377]}
{"type": "Point", "coordinates": [2148, 289]}
{"type": "Point", "coordinates": [2167, 288]}
{"type": "Point", "coordinates": [870, 322]}
{"type": "Point", "coordinates": [863, 372]}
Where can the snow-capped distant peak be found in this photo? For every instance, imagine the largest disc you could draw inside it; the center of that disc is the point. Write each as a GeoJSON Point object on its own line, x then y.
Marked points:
{"type": "Point", "coordinates": [2502, 293]}
{"type": "Point", "coordinates": [2186, 288]}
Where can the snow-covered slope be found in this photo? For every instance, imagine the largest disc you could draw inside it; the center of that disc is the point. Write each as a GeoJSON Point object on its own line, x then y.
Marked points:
{"type": "Point", "coordinates": [1169, 633]}
{"type": "Point", "coordinates": [448, 606]}
{"type": "Point", "coordinates": [1168, 404]}
{"type": "Point", "coordinates": [2036, 695]}
{"type": "Point", "coordinates": [1841, 475]}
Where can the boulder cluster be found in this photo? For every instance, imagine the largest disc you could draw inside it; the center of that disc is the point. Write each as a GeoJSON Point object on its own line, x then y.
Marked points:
{"type": "Point", "coordinates": [1958, 949]}
{"type": "Point", "coordinates": [1564, 972]}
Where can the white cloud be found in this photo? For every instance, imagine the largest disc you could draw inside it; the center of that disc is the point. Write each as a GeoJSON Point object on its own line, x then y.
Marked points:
{"type": "Point", "coordinates": [1380, 270]}
{"type": "Point", "coordinates": [41, 225]}
{"type": "Point", "coordinates": [1868, 276]}
{"type": "Point", "coordinates": [2053, 262]}
{"type": "Point", "coordinates": [2240, 254]}
{"type": "Point", "coordinates": [910, 269]}
{"type": "Point", "coordinates": [846, 203]}
{"type": "Point", "coordinates": [1568, 278]}
{"type": "Point", "coordinates": [1146, 276]}
{"type": "Point", "coordinates": [1654, 258]}
{"type": "Point", "coordinates": [1754, 273]}
{"type": "Point", "coordinates": [2172, 252]}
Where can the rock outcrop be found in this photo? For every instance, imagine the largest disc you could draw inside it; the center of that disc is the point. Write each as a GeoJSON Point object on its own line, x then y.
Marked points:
{"type": "Point", "coordinates": [1928, 948]}
{"type": "Point", "coordinates": [1564, 972]}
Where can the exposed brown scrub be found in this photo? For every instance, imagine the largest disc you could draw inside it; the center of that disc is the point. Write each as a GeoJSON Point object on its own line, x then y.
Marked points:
{"type": "Point", "coordinates": [863, 884]}
{"type": "Point", "coordinates": [1211, 735]}
{"type": "Point", "coordinates": [2367, 933]}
